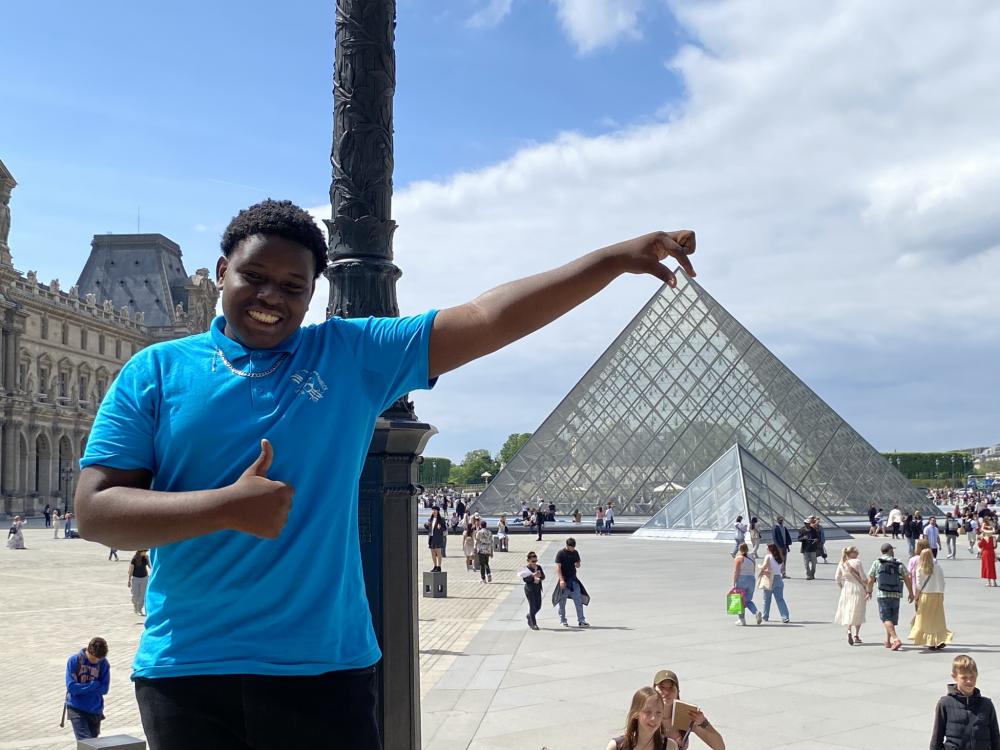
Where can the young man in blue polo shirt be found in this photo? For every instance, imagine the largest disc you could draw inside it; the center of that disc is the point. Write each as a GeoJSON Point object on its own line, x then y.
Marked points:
{"type": "Point", "coordinates": [258, 632]}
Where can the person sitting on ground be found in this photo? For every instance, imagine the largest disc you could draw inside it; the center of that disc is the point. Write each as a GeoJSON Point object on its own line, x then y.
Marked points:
{"type": "Point", "coordinates": [643, 724]}
{"type": "Point", "coordinates": [668, 687]}
{"type": "Point", "coordinates": [964, 718]}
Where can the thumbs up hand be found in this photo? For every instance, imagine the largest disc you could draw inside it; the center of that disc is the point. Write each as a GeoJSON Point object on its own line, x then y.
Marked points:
{"type": "Point", "coordinates": [258, 505]}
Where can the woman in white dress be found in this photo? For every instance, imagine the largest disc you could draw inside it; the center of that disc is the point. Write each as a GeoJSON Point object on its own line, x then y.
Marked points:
{"type": "Point", "coordinates": [853, 588]}
{"type": "Point", "coordinates": [15, 538]}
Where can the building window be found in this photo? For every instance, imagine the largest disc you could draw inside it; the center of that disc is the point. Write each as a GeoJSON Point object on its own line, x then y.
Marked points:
{"type": "Point", "coordinates": [22, 382]}
{"type": "Point", "coordinates": [45, 327]}
{"type": "Point", "coordinates": [83, 339]}
{"type": "Point", "coordinates": [101, 385]}
{"type": "Point", "coordinates": [65, 334]}
{"type": "Point", "coordinates": [100, 344]}
{"type": "Point", "coordinates": [83, 388]}
{"type": "Point", "coordinates": [118, 348]}
{"type": "Point", "coordinates": [63, 385]}
{"type": "Point", "coordinates": [43, 380]}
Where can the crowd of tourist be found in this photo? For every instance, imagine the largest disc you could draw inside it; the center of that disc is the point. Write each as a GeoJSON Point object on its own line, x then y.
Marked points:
{"type": "Point", "coordinates": [970, 513]}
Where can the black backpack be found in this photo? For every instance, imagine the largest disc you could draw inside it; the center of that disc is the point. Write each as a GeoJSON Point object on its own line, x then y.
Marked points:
{"type": "Point", "coordinates": [890, 576]}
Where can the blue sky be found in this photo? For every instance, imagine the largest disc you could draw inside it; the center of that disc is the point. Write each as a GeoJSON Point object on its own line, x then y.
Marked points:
{"type": "Point", "coordinates": [841, 217]}
{"type": "Point", "coordinates": [179, 115]}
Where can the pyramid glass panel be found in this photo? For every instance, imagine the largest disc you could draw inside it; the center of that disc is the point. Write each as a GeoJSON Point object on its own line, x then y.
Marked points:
{"type": "Point", "coordinates": [737, 484]}
{"type": "Point", "coordinates": [676, 389]}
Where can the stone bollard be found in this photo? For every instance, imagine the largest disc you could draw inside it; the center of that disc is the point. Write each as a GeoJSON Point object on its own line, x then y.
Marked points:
{"type": "Point", "coordinates": [119, 741]}
{"type": "Point", "coordinates": [436, 585]}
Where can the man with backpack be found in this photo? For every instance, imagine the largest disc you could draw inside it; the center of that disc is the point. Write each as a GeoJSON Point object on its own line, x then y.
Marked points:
{"type": "Point", "coordinates": [951, 526]}
{"type": "Point", "coordinates": [888, 575]}
{"type": "Point", "coordinates": [783, 540]}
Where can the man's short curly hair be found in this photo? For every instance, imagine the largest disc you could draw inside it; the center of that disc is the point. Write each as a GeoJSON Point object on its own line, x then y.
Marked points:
{"type": "Point", "coordinates": [279, 218]}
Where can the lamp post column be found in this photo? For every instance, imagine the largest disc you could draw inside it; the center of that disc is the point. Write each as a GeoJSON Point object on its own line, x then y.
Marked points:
{"type": "Point", "coordinates": [362, 279]}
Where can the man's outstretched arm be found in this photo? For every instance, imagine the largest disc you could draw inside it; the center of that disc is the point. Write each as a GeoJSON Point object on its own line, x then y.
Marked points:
{"type": "Point", "coordinates": [512, 311]}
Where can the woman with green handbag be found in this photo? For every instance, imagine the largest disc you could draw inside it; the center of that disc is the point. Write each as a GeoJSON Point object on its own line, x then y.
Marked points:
{"type": "Point", "coordinates": [744, 571]}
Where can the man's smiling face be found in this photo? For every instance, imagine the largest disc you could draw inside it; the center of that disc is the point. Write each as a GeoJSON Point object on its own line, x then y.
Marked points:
{"type": "Point", "coordinates": [267, 282]}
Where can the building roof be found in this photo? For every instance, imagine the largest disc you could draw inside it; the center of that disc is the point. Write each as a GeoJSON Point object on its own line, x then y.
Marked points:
{"type": "Point", "coordinates": [6, 176]}
{"type": "Point", "coordinates": [142, 271]}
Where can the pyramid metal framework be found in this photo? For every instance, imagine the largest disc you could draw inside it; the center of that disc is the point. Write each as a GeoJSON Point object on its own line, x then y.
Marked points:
{"type": "Point", "coordinates": [737, 484]}
{"type": "Point", "coordinates": [682, 383]}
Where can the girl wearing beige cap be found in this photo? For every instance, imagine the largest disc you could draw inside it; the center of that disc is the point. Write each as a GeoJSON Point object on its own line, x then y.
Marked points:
{"type": "Point", "coordinates": [668, 687]}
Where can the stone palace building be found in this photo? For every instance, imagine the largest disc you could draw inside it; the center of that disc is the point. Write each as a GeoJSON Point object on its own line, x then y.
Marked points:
{"type": "Point", "coordinates": [60, 349]}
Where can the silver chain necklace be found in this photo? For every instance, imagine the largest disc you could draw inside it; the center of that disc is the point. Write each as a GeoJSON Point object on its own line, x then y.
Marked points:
{"type": "Point", "coordinates": [248, 373]}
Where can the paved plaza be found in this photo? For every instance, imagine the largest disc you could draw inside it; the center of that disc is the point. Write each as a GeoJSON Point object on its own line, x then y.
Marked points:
{"type": "Point", "coordinates": [488, 682]}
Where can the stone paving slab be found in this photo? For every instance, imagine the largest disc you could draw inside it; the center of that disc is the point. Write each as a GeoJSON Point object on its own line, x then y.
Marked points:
{"type": "Point", "coordinates": [660, 604]}
{"type": "Point", "coordinates": [58, 593]}
{"type": "Point", "coordinates": [488, 683]}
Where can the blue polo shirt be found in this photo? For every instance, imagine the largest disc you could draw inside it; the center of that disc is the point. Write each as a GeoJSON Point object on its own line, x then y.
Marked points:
{"type": "Point", "coordinates": [228, 602]}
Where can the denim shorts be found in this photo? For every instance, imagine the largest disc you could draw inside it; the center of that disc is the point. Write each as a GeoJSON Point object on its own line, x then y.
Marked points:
{"type": "Point", "coordinates": [888, 609]}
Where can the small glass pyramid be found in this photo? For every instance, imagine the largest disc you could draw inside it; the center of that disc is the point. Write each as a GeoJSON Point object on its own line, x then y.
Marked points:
{"type": "Point", "coordinates": [737, 484]}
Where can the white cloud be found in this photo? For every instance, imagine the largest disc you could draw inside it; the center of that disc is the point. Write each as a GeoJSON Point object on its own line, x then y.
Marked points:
{"type": "Point", "coordinates": [841, 165]}
{"type": "Point", "coordinates": [598, 23]}
{"type": "Point", "coordinates": [490, 14]}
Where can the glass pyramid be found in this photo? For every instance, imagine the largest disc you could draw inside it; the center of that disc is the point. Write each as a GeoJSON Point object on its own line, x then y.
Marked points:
{"type": "Point", "coordinates": [681, 384]}
{"type": "Point", "coordinates": [737, 484]}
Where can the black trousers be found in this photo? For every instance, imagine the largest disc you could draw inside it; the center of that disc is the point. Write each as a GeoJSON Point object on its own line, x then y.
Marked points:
{"type": "Point", "coordinates": [533, 594]}
{"type": "Point", "coordinates": [484, 565]}
{"type": "Point", "coordinates": [260, 712]}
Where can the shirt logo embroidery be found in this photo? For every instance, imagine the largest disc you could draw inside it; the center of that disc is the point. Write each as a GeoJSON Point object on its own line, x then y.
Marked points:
{"type": "Point", "coordinates": [309, 384]}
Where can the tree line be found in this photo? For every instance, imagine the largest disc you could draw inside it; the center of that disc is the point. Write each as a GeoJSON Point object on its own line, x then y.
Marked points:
{"type": "Point", "coordinates": [950, 465]}
{"type": "Point", "coordinates": [437, 471]}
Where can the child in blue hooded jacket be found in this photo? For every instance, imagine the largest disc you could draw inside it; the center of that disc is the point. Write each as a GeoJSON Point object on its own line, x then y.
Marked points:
{"type": "Point", "coordinates": [88, 677]}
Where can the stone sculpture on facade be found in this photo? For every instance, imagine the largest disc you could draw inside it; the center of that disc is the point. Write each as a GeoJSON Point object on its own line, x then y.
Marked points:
{"type": "Point", "coordinates": [7, 185]}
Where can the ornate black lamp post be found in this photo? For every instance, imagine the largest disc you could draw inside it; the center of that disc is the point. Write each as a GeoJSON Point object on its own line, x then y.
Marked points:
{"type": "Point", "coordinates": [363, 282]}
{"type": "Point", "coordinates": [66, 480]}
